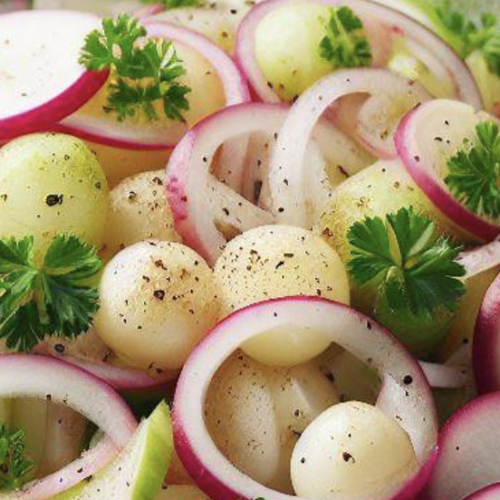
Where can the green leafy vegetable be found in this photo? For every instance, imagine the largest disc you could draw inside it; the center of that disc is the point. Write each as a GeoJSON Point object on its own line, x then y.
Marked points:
{"type": "Point", "coordinates": [176, 4]}
{"type": "Point", "coordinates": [474, 171]}
{"type": "Point", "coordinates": [345, 44]}
{"type": "Point", "coordinates": [469, 36]}
{"type": "Point", "coordinates": [14, 466]}
{"type": "Point", "coordinates": [144, 72]}
{"type": "Point", "coordinates": [52, 299]}
{"type": "Point", "coordinates": [405, 260]}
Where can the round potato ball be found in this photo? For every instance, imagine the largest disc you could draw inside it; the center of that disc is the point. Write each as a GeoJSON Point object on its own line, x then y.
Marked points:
{"type": "Point", "coordinates": [139, 211]}
{"type": "Point", "coordinates": [158, 300]}
{"type": "Point", "coordinates": [280, 261]}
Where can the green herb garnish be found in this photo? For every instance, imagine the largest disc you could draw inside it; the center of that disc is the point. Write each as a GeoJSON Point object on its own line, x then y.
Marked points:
{"type": "Point", "coordinates": [54, 298]}
{"type": "Point", "coordinates": [144, 72]}
{"type": "Point", "coordinates": [345, 44]}
{"type": "Point", "coordinates": [469, 36]}
{"type": "Point", "coordinates": [474, 171]}
{"type": "Point", "coordinates": [410, 273]}
{"type": "Point", "coordinates": [14, 465]}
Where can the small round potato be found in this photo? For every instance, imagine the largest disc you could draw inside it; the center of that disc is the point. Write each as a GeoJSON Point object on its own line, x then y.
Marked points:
{"type": "Point", "coordinates": [350, 449]}
{"type": "Point", "coordinates": [280, 261]}
{"type": "Point", "coordinates": [52, 183]}
{"type": "Point", "coordinates": [139, 211]}
{"type": "Point", "coordinates": [158, 300]}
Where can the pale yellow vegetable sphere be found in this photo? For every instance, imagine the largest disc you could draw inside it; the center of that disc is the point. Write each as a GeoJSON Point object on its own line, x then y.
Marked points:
{"type": "Point", "coordinates": [52, 183]}
{"type": "Point", "coordinates": [352, 449]}
{"type": "Point", "coordinates": [139, 211]}
{"type": "Point", "coordinates": [158, 300]}
{"type": "Point", "coordinates": [280, 261]}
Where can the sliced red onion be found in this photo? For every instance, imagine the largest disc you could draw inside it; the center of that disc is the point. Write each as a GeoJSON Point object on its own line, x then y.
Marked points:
{"type": "Point", "coordinates": [426, 138]}
{"type": "Point", "coordinates": [149, 10]}
{"type": "Point", "coordinates": [395, 21]}
{"type": "Point", "coordinates": [90, 463]}
{"type": "Point", "coordinates": [47, 378]}
{"type": "Point", "coordinates": [111, 132]}
{"type": "Point", "coordinates": [287, 172]}
{"type": "Point", "coordinates": [198, 202]}
{"type": "Point", "coordinates": [480, 259]}
{"type": "Point", "coordinates": [444, 376]}
{"type": "Point", "coordinates": [121, 379]}
{"type": "Point", "coordinates": [188, 172]}
{"type": "Point", "coordinates": [405, 394]}
{"type": "Point", "coordinates": [486, 342]}
{"type": "Point", "coordinates": [42, 81]}
{"type": "Point", "coordinates": [469, 451]}
{"type": "Point", "coordinates": [491, 492]}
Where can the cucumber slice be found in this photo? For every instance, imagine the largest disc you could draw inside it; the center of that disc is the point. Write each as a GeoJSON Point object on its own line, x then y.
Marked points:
{"type": "Point", "coordinates": [138, 472]}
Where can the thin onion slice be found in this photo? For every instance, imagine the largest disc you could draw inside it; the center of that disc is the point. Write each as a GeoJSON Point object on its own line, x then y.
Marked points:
{"type": "Point", "coordinates": [486, 341]}
{"type": "Point", "coordinates": [481, 259]}
{"type": "Point", "coordinates": [287, 163]}
{"type": "Point", "coordinates": [90, 463]}
{"type": "Point", "coordinates": [109, 132]}
{"type": "Point", "coordinates": [197, 200]}
{"type": "Point", "coordinates": [405, 394]}
{"type": "Point", "coordinates": [47, 378]}
{"type": "Point", "coordinates": [426, 138]}
{"type": "Point", "coordinates": [491, 492]}
{"type": "Point", "coordinates": [393, 20]}
{"type": "Point", "coordinates": [469, 451]}
{"type": "Point", "coordinates": [188, 172]}
{"type": "Point", "coordinates": [120, 379]}
{"type": "Point", "coordinates": [444, 376]}
{"type": "Point", "coordinates": [41, 81]}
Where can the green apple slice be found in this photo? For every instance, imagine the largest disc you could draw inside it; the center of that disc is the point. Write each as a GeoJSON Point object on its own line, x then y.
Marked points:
{"type": "Point", "coordinates": [138, 472]}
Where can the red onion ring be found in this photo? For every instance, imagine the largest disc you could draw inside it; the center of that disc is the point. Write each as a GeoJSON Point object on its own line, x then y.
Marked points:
{"type": "Point", "coordinates": [418, 34]}
{"type": "Point", "coordinates": [190, 186]}
{"type": "Point", "coordinates": [347, 327]}
{"type": "Point", "coordinates": [188, 172]}
{"type": "Point", "coordinates": [444, 376]}
{"type": "Point", "coordinates": [491, 492]}
{"type": "Point", "coordinates": [469, 455]}
{"type": "Point", "coordinates": [288, 159]}
{"type": "Point", "coordinates": [109, 132]}
{"type": "Point", "coordinates": [70, 93]}
{"type": "Point", "coordinates": [480, 259]}
{"type": "Point", "coordinates": [47, 378]}
{"type": "Point", "coordinates": [423, 157]}
{"type": "Point", "coordinates": [486, 342]}
{"type": "Point", "coordinates": [120, 379]}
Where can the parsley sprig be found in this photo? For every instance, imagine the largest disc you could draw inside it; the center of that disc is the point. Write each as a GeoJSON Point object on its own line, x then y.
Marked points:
{"type": "Point", "coordinates": [469, 36]}
{"type": "Point", "coordinates": [14, 465]}
{"type": "Point", "coordinates": [474, 171]}
{"type": "Point", "coordinates": [54, 298]}
{"type": "Point", "coordinates": [411, 271]}
{"type": "Point", "coordinates": [345, 44]}
{"type": "Point", "coordinates": [144, 71]}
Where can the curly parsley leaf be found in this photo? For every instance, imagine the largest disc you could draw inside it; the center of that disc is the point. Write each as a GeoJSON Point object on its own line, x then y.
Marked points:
{"type": "Point", "coordinates": [474, 171]}
{"type": "Point", "coordinates": [55, 298]}
{"type": "Point", "coordinates": [470, 36]}
{"type": "Point", "coordinates": [145, 72]}
{"type": "Point", "coordinates": [14, 465]}
{"type": "Point", "coordinates": [404, 259]}
{"type": "Point", "coordinates": [345, 44]}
